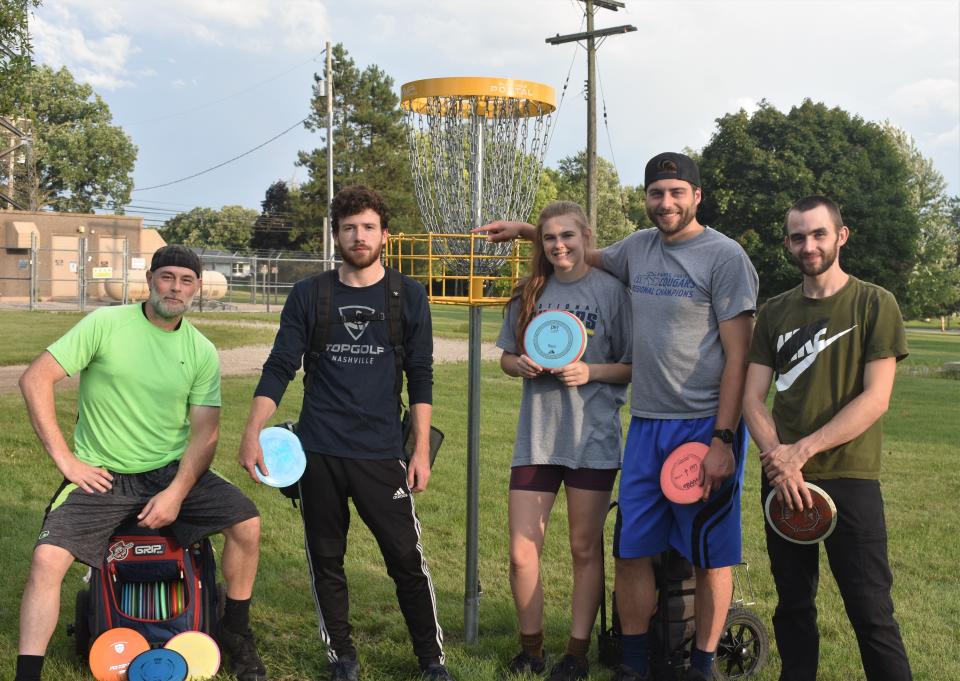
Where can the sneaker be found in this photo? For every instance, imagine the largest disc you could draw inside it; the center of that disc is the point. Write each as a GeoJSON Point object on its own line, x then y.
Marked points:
{"type": "Point", "coordinates": [524, 663]}
{"type": "Point", "coordinates": [345, 669]}
{"type": "Point", "coordinates": [694, 674]}
{"type": "Point", "coordinates": [240, 650]}
{"type": "Point", "coordinates": [569, 669]}
{"type": "Point", "coordinates": [625, 673]}
{"type": "Point", "coordinates": [435, 672]}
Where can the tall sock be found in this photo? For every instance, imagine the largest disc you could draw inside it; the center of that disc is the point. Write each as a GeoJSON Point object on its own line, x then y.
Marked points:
{"type": "Point", "coordinates": [532, 644]}
{"type": "Point", "coordinates": [577, 648]}
{"type": "Point", "coordinates": [636, 649]}
{"type": "Point", "coordinates": [702, 662]}
{"type": "Point", "coordinates": [236, 615]}
{"type": "Point", "coordinates": [29, 667]}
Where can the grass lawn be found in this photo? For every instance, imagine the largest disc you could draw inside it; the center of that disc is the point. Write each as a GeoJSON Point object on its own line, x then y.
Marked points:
{"type": "Point", "coordinates": [24, 334]}
{"type": "Point", "coordinates": [920, 487]}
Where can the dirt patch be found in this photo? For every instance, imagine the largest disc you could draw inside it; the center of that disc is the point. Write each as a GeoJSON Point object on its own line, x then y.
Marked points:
{"type": "Point", "coordinates": [249, 359]}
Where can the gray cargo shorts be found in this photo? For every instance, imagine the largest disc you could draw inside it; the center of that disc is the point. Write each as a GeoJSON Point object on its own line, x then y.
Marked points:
{"type": "Point", "coordinates": [82, 523]}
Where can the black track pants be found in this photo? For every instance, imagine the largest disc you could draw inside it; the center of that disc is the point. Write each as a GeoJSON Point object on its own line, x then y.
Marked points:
{"type": "Point", "coordinates": [385, 504]}
{"type": "Point", "coordinates": [857, 551]}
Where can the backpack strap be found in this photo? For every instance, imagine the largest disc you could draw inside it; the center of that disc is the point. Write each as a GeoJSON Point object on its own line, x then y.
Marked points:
{"type": "Point", "coordinates": [394, 310]}
{"type": "Point", "coordinates": [323, 293]}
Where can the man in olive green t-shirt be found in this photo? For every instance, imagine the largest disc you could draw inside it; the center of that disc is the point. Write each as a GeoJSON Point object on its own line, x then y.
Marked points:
{"type": "Point", "coordinates": [831, 345]}
{"type": "Point", "coordinates": [147, 428]}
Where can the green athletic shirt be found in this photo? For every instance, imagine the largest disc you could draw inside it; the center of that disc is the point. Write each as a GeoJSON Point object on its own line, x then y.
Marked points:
{"type": "Point", "coordinates": [137, 384]}
{"type": "Point", "coordinates": [818, 349]}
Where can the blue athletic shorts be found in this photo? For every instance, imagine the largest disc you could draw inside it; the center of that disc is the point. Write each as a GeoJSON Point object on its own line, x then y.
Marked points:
{"type": "Point", "coordinates": [707, 533]}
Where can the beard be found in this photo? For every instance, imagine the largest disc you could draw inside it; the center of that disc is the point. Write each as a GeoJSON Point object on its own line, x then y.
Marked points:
{"type": "Point", "coordinates": [361, 259]}
{"type": "Point", "coordinates": [168, 309]}
{"type": "Point", "coordinates": [827, 258]}
{"type": "Point", "coordinates": [687, 214]}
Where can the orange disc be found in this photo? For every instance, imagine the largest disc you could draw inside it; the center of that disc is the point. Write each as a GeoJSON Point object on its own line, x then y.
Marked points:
{"type": "Point", "coordinates": [113, 651]}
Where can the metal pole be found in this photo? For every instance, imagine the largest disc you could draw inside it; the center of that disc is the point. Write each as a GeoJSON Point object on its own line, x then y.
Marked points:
{"type": "Point", "coordinates": [591, 121]}
{"type": "Point", "coordinates": [327, 235]}
{"type": "Point", "coordinates": [34, 254]}
{"type": "Point", "coordinates": [82, 274]}
{"type": "Point", "coordinates": [126, 271]}
{"type": "Point", "coordinates": [471, 598]}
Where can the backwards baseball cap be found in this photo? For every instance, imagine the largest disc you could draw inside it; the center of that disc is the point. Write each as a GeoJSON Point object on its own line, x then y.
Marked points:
{"type": "Point", "coordinates": [671, 166]}
{"type": "Point", "coordinates": [175, 255]}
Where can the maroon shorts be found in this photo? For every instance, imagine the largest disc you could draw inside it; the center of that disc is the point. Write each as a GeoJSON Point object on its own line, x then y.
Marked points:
{"type": "Point", "coordinates": [548, 478]}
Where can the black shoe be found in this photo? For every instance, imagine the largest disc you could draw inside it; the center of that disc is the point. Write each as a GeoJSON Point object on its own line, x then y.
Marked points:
{"type": "Point", "coordinates": [524, 663]}
{"type": "Point", "coordinates": [435, 672]}
{"type": "Point", "coordinates": [240, 650]}
{"type": "Point", "coordinates": [625, 673]}
{"type": "Point", "coordinates": [345, 669]}
{"type": "Point", "coordinates": [569, 669]}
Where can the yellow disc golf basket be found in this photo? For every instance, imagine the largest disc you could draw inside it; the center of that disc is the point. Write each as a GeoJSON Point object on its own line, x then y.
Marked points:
{"type": "Point", "coordinates": [476, 150]}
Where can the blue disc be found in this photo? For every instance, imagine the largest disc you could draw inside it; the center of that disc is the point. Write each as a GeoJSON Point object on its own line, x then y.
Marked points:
{"type": "Point", "coordinates": [283, 456]}
{"type": "Point", "coordinates": [554, 339]}
{"type": "Point", "coordinates": [159, 664]}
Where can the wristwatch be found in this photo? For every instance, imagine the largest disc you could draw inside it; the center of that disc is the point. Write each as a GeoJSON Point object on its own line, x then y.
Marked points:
{"type": "Point", "coordinates": [725, 435]}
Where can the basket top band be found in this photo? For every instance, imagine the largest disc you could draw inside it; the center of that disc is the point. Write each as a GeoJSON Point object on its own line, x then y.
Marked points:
{"type": "Point", "coordinates": [422, 96]}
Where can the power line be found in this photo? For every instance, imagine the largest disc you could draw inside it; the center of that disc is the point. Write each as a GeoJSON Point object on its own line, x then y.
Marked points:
{"type": "Point", "coordinates": [227, 162]}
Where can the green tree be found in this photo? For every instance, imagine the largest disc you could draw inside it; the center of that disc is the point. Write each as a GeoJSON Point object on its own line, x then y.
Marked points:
{"type": "Point", "coordinates": [756, 165]}
{"type": "Point", "coordinates": [82, 161]}
{"type": "Point", "coordinates": [230, 228]}
{"type": "Point", "coordinates": [15, 50]}
{"type": "Point", "coordinates": [933, 285]}
{"type": "Point", "coordinates": [288, 222]}
{"type": "Point", "coordinates": [369, 140]}
{"type": "Point", "coordinates": [612, 221]}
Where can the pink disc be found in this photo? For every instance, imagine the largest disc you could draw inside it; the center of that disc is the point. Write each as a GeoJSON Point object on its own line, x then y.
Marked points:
{"type": "Point", "coordinates": [681, 477]}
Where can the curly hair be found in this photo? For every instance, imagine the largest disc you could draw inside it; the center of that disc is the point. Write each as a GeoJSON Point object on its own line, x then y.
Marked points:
{"type": "Point", "coordinates": [356, 199]}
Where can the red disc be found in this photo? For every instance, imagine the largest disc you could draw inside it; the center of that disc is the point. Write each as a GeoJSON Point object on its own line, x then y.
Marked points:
{"type": "Point", "coordinates": [113, 651]}
{"type": "Point", "coordinates": [809, 526]}
{"type": "Point", "coordinates": [681, 477]}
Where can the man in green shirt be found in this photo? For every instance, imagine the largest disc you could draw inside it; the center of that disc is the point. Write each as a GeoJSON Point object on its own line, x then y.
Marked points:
{"type": "Point", "coordinates": [147, 428]}
{"type": "Point", "coordinates": [831, 345]}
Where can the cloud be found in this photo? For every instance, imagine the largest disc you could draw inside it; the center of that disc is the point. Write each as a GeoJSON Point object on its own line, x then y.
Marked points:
{"type": "Point", "coordinates": [100, 62]}
{"type": "Point", "coordinates": [928, 96]}
{"type": "Point", "coordinates": [946, 139]}
{"type": "Point", "coordinates": [252, 25]}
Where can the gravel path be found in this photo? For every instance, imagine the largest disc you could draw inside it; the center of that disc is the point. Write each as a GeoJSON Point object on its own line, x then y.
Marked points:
{"type": "Point", "coordinates": [249, 360]}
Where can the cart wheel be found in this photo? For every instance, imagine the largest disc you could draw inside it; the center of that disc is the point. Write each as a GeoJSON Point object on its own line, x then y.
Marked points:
{"type": "Point", "coordinates": [81, 626]}
{"type": "Point", "coordinates": [743, 648]}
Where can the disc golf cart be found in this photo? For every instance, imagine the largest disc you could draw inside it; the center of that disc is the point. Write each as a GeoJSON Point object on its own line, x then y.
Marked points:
{"type": "Point", "coordinates": [744, 644]}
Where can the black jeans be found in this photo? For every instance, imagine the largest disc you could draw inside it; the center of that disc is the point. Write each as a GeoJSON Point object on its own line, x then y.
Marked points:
{"type": "Point", "coordinates": [385, 504]}
{"type": "Point", "coordinates": [857, 551]}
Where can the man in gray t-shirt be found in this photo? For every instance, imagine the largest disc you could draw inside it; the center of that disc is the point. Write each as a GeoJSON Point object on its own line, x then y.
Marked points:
{"type": "Point", "coordinates": [693, 293]}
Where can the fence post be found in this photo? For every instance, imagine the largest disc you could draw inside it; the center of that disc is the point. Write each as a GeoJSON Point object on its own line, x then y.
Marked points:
{"type": "Point", "coordinates": [82, 274]}
{"type": "Point", "coordinates": [32, 284]}
{"type": "Point", "coordinates": [126, 271]}
{"type": "Point", "coordinates": [253, 278]}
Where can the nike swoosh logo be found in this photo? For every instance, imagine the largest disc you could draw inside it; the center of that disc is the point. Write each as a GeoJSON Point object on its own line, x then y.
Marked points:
{"type": "Point", "coordinates": [784, 381]}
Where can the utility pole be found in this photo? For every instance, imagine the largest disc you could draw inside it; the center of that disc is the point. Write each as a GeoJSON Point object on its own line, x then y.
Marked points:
{"type": "Point", "coordinates": [327, 233]}
{"type": "Point", "coordinates": [591, 36]}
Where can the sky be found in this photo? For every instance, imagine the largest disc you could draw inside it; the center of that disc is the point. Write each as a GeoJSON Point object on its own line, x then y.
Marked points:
{"type": "Point", "coordinates": [198, 82]}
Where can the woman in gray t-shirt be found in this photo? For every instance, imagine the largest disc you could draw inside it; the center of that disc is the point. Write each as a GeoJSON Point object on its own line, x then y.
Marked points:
{"type": "Point", "coordinates": [568, 431]}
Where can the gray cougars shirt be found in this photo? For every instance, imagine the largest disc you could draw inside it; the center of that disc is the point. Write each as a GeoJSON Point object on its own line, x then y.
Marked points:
{"type": "Point", "coordinates": [575, 427]}
{"type": "Point", "coordinates": [681, 292]}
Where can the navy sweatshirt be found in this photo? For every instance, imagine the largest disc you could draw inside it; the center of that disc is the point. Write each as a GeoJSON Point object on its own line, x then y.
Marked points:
{"type": "Point", "coordinates": [350, 409]}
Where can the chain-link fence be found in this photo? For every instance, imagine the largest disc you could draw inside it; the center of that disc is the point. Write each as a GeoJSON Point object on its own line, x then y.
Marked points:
{"type": "Point", "coordinates": [69, 275]}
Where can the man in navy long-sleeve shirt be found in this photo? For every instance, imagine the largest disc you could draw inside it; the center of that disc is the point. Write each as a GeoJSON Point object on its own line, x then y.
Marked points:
{"type": "Point", "coordinates": [350, 428]}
